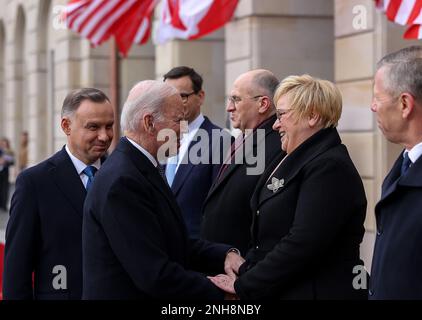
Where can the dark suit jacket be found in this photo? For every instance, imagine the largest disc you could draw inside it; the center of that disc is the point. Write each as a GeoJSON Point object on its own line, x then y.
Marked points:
{"type": "Point", "coordinates": [397, 260]}
{"type": "Point", "coordinates": [306, 235]}
{"type": "Point", "coordinates": [44, 231]}
{"type": "Point", "coordinates": [135, 243]}
{"type": "Point", "coordinates": [227, 216]}
{"type": "Point", "coordinates": [193, 181]}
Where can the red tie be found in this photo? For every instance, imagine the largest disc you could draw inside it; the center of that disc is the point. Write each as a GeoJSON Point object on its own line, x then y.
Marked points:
{"type": "Point", "coordinates": [238, 142]}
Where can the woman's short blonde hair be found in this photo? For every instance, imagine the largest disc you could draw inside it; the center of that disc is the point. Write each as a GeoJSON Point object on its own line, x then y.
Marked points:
{"type": "Point", "coordinates": [309, 95]}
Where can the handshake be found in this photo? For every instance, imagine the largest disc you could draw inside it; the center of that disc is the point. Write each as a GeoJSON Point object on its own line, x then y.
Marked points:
{"type": "Point", "coordinates": [226, 281]}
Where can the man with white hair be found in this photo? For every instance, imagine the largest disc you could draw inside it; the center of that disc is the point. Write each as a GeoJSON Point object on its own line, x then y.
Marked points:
{"type": "Point", "coordinates": [135, 243]}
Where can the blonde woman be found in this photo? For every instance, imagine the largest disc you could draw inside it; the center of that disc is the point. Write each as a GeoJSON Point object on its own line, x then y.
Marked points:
{"type": "Point", "coordinates": [309, 207]}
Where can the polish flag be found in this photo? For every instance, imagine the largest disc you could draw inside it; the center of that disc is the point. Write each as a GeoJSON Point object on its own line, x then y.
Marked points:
{"type": "Point", "coordinates": [192, 19]}
{"type": "Point", "coordinates": [404, 12]}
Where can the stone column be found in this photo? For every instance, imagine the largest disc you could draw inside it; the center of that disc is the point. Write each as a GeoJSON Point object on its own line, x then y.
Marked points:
{"type": "Point", "coordinates": [285, 36]}
{"type": "Point", "coordinates": [206, 56]}
{"type": "Point", "coordinates": [363, 36]}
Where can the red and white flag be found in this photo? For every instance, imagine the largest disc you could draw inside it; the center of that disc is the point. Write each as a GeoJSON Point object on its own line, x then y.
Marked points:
{"type": "Point", "coordinates": [404, 12]}
{"type": "Point", "coordinates": [192, 19]}
{"type": "Point", "coordinates": [97, 20]}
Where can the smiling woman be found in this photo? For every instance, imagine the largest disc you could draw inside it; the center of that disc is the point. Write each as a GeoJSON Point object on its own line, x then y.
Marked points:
{"type": "Point", "coordinates": [309, 207]}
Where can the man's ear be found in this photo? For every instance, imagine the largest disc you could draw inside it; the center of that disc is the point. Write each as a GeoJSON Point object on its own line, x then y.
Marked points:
{"type": "Point", "coordinates": [65, 124]}
{"type": "Point", "coordinates": [407, 103]}
{"type": "Point", "coordinates": [265, 104]}
{"type": "Point", "coordinates": [201, 95]}
{"type": "Point", "coordinates": [148, 123]}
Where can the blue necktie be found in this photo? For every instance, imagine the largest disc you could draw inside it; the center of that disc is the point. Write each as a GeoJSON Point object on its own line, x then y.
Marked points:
{"type": "Point", "coordinates": [406, 163]}
{"type": "Point", "coordinates": [90, 172]}
{"type": "Point", "coordinates": [171, 170]}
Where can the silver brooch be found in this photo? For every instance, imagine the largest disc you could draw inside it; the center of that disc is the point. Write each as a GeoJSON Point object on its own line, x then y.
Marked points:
{"type": "Point", "coordinates": [275, 184]}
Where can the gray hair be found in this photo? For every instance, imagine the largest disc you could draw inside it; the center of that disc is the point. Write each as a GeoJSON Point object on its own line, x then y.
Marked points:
{"type": "Point", "coordinates": [145, 97]}
{"type": "Point", "coordinates": [74, 99]}
{"type": "Point", "coordinates": [267, 81]}
{"type": "Point", "coordinates": [403, 72]}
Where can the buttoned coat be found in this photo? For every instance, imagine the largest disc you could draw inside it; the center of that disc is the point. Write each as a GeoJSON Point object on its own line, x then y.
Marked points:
{"type": "Point", "coordinates": [307, 226]}
{"type": "Point", "coordinates": [44, 233]}
{"type": "Point", "coordinates": [397, 259]}
{"type": "Point", "coordinates": [135, 242]}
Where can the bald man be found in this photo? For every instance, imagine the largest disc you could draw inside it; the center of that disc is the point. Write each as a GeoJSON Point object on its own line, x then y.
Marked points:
{"type": "Point", "coordinates": [227, 216]}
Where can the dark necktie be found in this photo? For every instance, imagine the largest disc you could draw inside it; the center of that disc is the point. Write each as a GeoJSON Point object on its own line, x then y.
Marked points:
{"type": "Point", "coordinates": [161, 172]}
{"type": "Point", "coordinates": [90, 173]}
{"type": "Point", "coordinates": [237, 143]}
{"type": "Point", "coordinates": [406, 163]}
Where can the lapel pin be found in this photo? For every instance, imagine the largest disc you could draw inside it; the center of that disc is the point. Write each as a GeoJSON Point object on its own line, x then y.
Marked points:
{"type": "Point", "coordinates": [275, 184]}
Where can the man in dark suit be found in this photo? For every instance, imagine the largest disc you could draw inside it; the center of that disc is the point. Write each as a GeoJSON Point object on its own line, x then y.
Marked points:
{"type": "Point", "coordinates": [193, 170]}
{"type": "Point", "coordinates": [227, 214]}
{"type": "Point", "coordinates": [43, 254]}
{"type": "Point", "coordinates": [397, 260]}
{"type": "Point", "coordinates": [135, 243]}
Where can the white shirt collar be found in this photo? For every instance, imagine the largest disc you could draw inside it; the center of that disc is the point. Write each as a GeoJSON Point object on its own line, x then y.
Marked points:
{"type": "Point", "coordinates": [195, 124]}
{"type": "Point", "coordinates": [80, 165]}
{"type": "Point", "coordinates": [146, 153]}
{"type": "Point", "coordinates": [186, 139]}
{"type": "Point", "coordinates": [415, 152]}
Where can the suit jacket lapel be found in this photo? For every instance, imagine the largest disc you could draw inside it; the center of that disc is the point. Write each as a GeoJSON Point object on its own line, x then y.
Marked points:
{"type": "Point", "coordinates": [291, 166]}
{"type": "Point", "coordinates": [151, 173]}
{"type": "Point", "coordinates": [390, 182]}
{"type": "Point", "coordinates": [267, 126]}
{"type": "Point", "coordinates": [186, 166]}
{"type": "Point", "coordinates": [65, 176]}
{"type": "Point", "coordinates": [262, 182]}
{"type": "Point", "coordinates": [412, 178]}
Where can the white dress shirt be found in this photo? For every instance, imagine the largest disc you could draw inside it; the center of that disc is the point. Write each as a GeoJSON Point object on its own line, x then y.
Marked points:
{"type": "Point", "coordinates": [80, 166]}
{"type": "Point", "coordinates": [146, 153]}
{"type": "Point", "coordinates": [186, 139]}
{"type": "Point", "coordinates": [415, 152]}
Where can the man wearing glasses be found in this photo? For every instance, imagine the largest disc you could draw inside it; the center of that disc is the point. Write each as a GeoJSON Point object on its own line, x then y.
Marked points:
{"type": "Point", "coordinates": [227, 216]}
{"type": "Point", "coordinates": [191, 173]}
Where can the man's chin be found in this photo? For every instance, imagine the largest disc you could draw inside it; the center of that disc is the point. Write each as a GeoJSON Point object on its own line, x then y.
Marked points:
{"type": "Point", "coordinates": [97, 154]}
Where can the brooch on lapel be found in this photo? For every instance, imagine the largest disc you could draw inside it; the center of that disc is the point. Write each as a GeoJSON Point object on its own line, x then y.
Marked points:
{"type": "Point", "coordinates": [275, 184]}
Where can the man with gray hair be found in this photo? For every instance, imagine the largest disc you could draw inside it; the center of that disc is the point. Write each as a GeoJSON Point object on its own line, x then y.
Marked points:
{"type": "Point", "coordinates": [43, 257]}
{"type": "Point", "coordinates": [135, 243]}
{"type": "Point", "coordinates": [397, 260]}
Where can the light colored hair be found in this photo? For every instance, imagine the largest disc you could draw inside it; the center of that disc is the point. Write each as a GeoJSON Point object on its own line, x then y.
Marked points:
{"type": "Point", "coordinates": [309, 95]}
{"type": "Point", "coordinates": [403, 72]}
{"type": "Point", "coordinates": [145, 97]}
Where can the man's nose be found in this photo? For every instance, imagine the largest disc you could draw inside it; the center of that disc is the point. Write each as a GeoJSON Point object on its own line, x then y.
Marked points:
{"type": "Point", "coordinates": [276, 124]}
{"type": "Point", "coordinates": [103, 135]}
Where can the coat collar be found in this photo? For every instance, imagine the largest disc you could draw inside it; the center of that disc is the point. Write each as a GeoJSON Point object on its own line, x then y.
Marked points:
{"type": "Point", "coordinates": [267, 125]}
{"type": "Point", "coordinates": [144, 165]}
{"type": "Point", "coordinates": [317, 144]}
{"type": "Point", "coordinates": [65, 176]}
{"type": "Point", "coordinates": [412, 178]}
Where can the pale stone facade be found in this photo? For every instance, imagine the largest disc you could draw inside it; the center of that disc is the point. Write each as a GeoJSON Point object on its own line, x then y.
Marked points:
{"type": "Point", "coordinates": [339, 40]}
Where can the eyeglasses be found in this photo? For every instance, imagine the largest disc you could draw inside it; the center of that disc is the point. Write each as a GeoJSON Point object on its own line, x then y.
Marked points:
{"type": "Point", "coordinates": [236, 99]}
{"type": "Point", "coordinates": [185, 96]}
{"type": "Point", "coordinates": [279, 113]}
